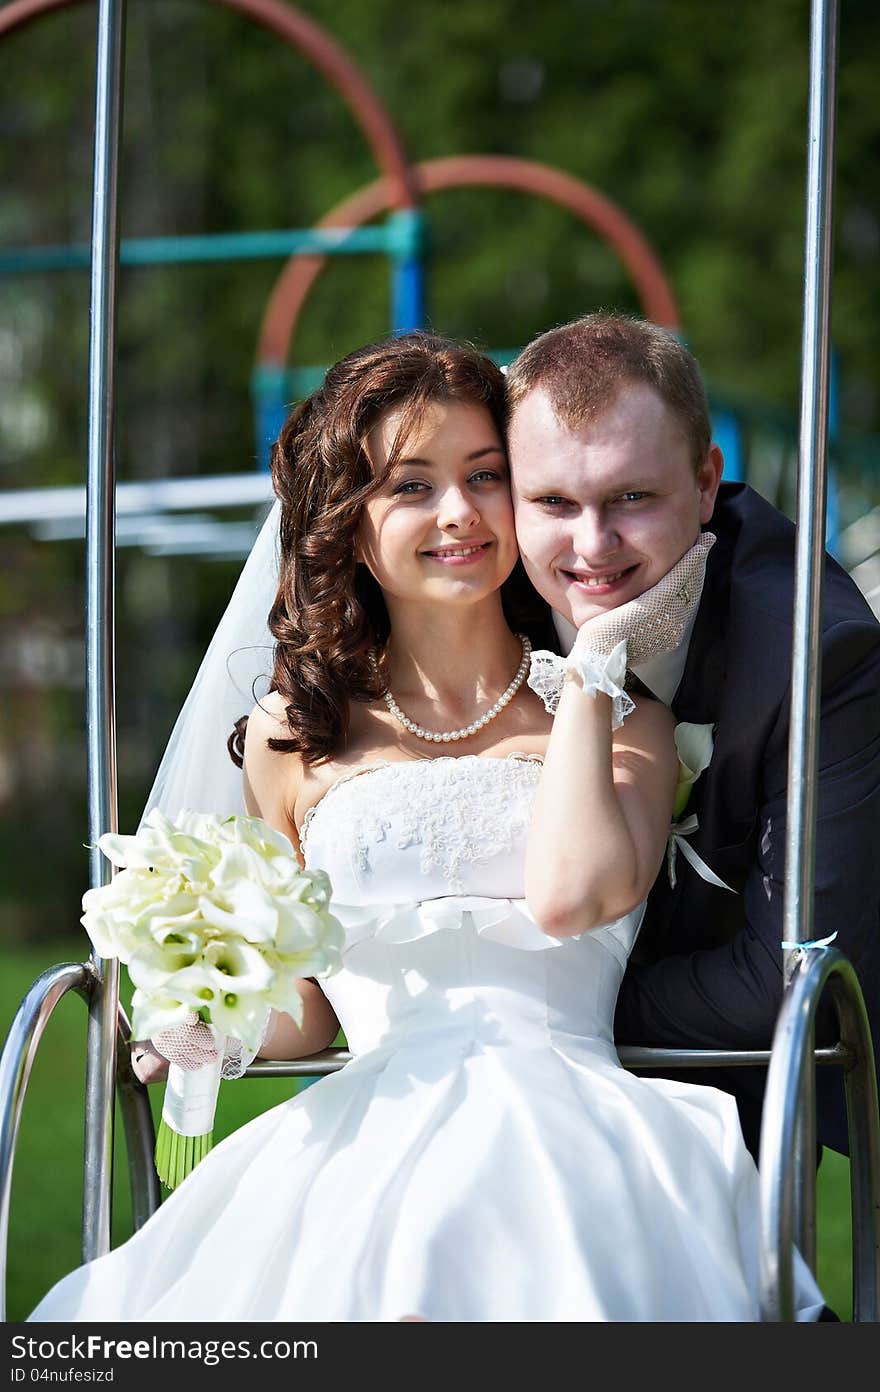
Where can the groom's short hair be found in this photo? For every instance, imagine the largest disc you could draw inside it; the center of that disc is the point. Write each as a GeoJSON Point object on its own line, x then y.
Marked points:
{"type": "Point", "coordinates": [583, 365]}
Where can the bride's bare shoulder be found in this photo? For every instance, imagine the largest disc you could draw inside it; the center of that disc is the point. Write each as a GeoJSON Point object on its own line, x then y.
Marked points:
{"type": "Point", "coordinates": [272, 777]}
{"type": "Point", "coordinates": [268, 721]}
{"type": "Point", "coordinates": [268, 715]}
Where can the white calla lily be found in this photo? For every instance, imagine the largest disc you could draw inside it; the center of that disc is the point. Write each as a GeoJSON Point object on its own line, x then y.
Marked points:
{"type": "Point", "coordinates": [259, 836]}
{"type": "Point", "coordinates": [239, 962]}
{"type": "Point", "coordinates": [236, 919]}
{"type": "Point", "coordinates": [246, 908]}
{"type": "Point", "coordinates": [236, 863]}
{"type": "Point", "coordinates": [314, 886]}
{"type": "Point", "coordinates": [299, 927]}
{"type": "Point", "coordinates": [694, 745]}
{"type": "Point", "coordinates": [169, 930]}
{"type": "Point", "coordinates": [151, 1013]}
{"type": "Point", "coordinates": [242, 1015]}
{"type": "Point", "coordinates": [284, 993]}
{"type": "Point", "coordinates": [153, 966]}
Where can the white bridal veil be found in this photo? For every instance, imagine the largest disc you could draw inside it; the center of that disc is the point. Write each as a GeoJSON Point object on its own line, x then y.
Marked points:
{"type": "Point", "coordinates": [196, 771]}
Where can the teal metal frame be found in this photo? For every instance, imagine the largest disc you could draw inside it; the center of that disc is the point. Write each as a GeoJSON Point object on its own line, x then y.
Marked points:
{"type": "Point", "coordinates": [400, 237]}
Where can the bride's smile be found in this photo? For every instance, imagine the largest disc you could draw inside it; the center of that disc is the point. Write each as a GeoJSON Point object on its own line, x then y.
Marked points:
{"type": "Point", "coordinates": [440, 527]}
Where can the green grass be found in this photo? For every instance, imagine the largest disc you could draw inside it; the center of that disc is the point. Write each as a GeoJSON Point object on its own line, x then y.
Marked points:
{"type": "Point", "coordinates": [44, 1235]}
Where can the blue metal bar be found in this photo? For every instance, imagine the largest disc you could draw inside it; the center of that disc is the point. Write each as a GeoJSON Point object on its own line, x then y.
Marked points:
{"type": "Point", "coordinates": [100, 579]}
{"type": "Point", "coordinates": [727, 432]}
{"type": "Point", "coordinates": [408, 297]}
{"type": "Point", "coordinates": [407, 229]}
{"type": "Point", "coordinates": [274, 389]}
{"type": "Point", "coordinates": [219, 246]}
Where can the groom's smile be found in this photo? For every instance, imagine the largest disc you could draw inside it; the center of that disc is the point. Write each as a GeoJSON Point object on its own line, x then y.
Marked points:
{"type": "Point", "coordinates": [601, 584]}
{"type": "Point", "coordinates": [606, 507]}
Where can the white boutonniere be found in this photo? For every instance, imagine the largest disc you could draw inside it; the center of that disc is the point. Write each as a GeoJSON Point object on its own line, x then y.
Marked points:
{"type": "Point", "coordinates": [694, 746]}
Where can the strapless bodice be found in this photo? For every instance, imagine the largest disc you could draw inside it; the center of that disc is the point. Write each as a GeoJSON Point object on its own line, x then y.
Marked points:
{"type": "Point", "coordinates": [426, 858]}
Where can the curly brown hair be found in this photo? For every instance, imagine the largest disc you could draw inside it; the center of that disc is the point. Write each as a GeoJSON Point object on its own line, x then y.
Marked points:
{"type": "Point", "coordinates": [329, 613]}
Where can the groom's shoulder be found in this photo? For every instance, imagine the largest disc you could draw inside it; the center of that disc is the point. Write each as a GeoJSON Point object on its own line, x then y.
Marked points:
{"type": "Point", "coordinates": [754, 562]}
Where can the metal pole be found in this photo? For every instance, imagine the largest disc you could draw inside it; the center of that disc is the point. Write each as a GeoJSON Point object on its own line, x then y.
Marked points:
{"type": "Point", "coordinates": [809, 560]}
{"type": "Point", "coordinates": [100, 680]}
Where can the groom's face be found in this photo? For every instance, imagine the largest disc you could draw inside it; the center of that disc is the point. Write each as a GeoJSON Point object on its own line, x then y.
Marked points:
{"type": "Point", "coordinates": [604, 510]}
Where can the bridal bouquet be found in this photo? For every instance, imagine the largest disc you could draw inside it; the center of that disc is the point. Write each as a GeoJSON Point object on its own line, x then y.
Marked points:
{"type": "Point", "coordinates": [215, 921]}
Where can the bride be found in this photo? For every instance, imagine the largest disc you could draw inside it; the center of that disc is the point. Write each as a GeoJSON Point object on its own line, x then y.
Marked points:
{"type": "Point", "coordinates": [492, 821]}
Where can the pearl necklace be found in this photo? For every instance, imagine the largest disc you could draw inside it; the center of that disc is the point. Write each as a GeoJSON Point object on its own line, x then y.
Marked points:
{"type": "Point", "coordinates": [446, 736]}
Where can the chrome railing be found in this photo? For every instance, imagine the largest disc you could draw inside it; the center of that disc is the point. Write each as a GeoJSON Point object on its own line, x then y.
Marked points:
{"type": "Point", "coordinates": [787, 1094]}
{"type": "Point", "coordinates": [16, 1063]}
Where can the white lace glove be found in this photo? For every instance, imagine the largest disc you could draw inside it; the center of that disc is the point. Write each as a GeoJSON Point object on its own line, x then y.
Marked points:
{"type": "Point", "coordinates": [650, 624]}
{"type": "Point", "coordinates": [191, 1045]}
{"type": "Point", "coordinates": [237, 1057]}
{"type": "Point", "coordinates": [593, 671]}
{"type": "Point", "coordinates": [654, 622]}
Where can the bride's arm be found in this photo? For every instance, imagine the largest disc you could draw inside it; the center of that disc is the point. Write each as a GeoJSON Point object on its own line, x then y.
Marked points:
{"type": "Point", "coordinates": [271, 783]}
{"type": "Point", "coordinates": [601, 814]}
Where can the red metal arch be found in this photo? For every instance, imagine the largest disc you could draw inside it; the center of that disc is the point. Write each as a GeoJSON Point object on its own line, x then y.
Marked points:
{"type": "Point", "coordinates": [324, 53]}
{"type": "Point", "coordinates": [458, 171]}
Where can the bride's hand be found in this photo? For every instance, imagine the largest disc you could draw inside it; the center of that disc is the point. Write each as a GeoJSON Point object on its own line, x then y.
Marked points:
{"type": "Point", "coordinates": [653, 622]}
{"type": "Point", "coordinates": [147, 1063]}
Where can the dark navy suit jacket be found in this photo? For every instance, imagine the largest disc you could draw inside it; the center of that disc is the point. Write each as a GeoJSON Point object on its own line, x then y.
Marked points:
{"type": "Point", "coordinates": [707, 968]}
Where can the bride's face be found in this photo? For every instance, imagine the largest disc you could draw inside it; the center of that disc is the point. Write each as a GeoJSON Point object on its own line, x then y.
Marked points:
{"type": "Point", "coordinates": [440, 528]}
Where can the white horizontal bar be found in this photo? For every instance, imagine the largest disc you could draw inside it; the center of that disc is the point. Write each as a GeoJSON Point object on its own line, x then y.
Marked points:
{"type": "Point", "coordinates": [35, 505]}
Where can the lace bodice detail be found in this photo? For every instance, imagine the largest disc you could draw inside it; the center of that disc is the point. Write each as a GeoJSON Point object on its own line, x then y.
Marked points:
{"type": "Point", "coordinates": [457, 814]}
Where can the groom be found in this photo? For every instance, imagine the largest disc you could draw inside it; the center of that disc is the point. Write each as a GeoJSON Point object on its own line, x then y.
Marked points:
{"type": "Point", "coordinates": [614, 475]}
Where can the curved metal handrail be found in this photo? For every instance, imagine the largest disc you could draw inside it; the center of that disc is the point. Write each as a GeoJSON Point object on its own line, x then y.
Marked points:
{"type": "Point", "coordinates": [783, 1098]}
{"type": "Point", "coordinates": [16, 1063]}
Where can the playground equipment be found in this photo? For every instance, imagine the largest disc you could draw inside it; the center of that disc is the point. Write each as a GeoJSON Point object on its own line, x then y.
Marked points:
{"type": "Point", "coordinates": [273, 385]}
{"type": "Point", "coordinates": [787, 1164]}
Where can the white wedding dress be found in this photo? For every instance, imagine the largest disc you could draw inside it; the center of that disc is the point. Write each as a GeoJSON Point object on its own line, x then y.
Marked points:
{"type": "Point", "coordinates": [484, 1157]}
